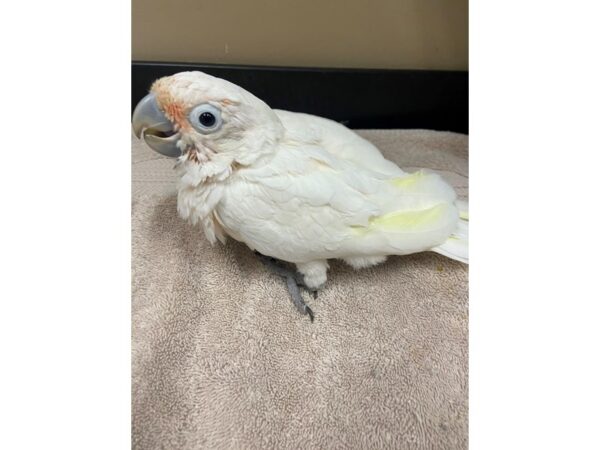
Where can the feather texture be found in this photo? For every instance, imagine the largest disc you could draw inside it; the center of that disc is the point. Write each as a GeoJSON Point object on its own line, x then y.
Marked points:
{"type": "Point", "coordinates": [304, 204]}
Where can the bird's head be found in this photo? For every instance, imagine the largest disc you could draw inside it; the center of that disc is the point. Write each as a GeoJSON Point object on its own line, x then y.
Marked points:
{"type": "Point", "coordinates": [198, 116]}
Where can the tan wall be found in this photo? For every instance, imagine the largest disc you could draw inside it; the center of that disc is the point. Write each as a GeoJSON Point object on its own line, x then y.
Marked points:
{"type": "Point", "coordinates": [394, 34]}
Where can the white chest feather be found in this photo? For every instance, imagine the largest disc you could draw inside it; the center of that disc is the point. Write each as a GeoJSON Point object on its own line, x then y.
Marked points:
{"type": "Point", "coordinates": [199, 192]}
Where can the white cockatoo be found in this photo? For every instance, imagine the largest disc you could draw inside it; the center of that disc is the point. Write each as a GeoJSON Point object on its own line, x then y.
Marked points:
{"type": "Point", "coordinates": [292, 186]}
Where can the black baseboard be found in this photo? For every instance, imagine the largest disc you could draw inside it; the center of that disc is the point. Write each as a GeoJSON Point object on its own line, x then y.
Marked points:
{"type": "Point", "coordinates": [359, 98]}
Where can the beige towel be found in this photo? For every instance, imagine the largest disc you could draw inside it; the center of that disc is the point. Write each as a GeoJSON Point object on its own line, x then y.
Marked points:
{"type": "Point", "coordinates": [222, 359]}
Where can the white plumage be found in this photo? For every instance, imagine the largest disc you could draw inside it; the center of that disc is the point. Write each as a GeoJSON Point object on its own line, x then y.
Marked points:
{"type": "Point", "coordinates": [300, 188]}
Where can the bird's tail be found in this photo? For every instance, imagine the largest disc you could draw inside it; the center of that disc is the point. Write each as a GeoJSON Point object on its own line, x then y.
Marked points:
{"type": "Point", "coordinates": [457, 245]}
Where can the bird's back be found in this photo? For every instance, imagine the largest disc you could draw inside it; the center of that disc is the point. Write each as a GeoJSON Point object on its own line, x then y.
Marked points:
{"type": "Point", "coordinates": [337, 140]}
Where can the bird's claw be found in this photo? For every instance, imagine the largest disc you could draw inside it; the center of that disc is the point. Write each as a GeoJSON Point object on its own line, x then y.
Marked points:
{"type": "Point", "coordinates": [310, 313]}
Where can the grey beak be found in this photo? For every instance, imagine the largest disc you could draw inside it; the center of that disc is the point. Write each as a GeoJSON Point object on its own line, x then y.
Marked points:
{"type": "Point", "coordinates": [149, 121]}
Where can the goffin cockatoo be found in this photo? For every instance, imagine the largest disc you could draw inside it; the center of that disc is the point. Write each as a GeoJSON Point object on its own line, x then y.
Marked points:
{"type": "Point", "coordinates": [292, 186]}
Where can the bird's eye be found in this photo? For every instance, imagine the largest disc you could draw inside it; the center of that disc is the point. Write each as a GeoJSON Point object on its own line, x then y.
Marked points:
{"type": "Point", "coordinates": [206, 118]}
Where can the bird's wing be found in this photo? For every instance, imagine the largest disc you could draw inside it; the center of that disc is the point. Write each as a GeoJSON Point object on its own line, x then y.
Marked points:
{"type": "Point", "coordinates": [307, 204]}
{"type": "Point", "coordinates": [337, 140]}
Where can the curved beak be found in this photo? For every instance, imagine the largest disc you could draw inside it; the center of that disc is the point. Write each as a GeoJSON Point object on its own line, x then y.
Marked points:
{"type": "Point", "coordinates": [149, 121]}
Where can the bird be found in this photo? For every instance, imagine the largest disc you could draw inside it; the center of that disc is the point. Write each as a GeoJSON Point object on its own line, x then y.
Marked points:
{"type": "Point", "coordinates": [296, 188]}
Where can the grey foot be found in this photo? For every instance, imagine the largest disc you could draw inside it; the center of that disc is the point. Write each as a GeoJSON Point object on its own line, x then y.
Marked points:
{"type": "Point", "coordinates": [294, 291]}
{"type": "Point", "coordinates": [294, 281]}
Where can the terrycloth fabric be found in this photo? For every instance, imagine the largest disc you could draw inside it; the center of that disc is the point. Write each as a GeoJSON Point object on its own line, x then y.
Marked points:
{"type": "Point", "coordinates": [222, 359]}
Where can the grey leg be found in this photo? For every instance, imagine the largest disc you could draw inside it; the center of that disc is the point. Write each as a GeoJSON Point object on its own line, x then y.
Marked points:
{"type": "Point", "coordinates": [294, 281]}
{"type": "Point", "coordinates": [294, 291]}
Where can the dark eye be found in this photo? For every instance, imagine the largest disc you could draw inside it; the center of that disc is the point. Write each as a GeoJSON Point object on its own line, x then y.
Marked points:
{"type": "Point", "coordinates": [205, 118]}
